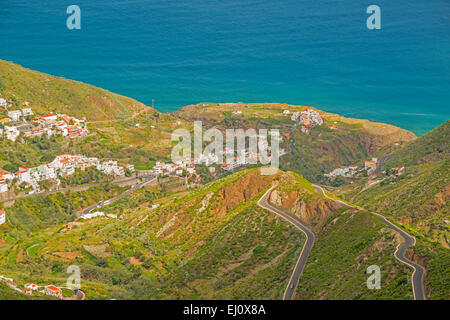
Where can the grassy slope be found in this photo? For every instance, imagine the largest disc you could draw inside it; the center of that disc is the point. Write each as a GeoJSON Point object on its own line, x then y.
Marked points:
{"type": "Point", "coordinates": [47, 93]}
{"type": "Point", "coordinates": [349, 243]}
{"type": "Point", "coordinates": [433, 146]}
{"type": "Point", "coordinates": [240, 252]}
{"type": "Point", "coordinates": [111, 120]}
{"type": "Point", "coordinates": [35, 212]}
{"type": "Point", "coordinates": [418, 199]}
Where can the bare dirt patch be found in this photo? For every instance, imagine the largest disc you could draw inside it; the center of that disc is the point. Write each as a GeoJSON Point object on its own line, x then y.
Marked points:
{"type": "Point", "coordinates": [68, 256]}
{"type": "Point", "coordinates": [135, 261]}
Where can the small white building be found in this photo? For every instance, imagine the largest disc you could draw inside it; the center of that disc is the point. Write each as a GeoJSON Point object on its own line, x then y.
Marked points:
{"type": "Point", "coordinates": [12, 133]}
{"type": "Point", "coordinates": [6, 175]}
{"type": "Point", "coordinates": [27, 112]}
{"type": "Point", "coordinates": [2, 216]}
{"type": "Point", "coordinates": [24, 174]}
{"type": "Point", "coordinates": [15, 115]}
{"type": "Point", "coordinates": [3, 102]}
{"type": "Point", "coordinates": [3, 186]}
{"type": "Point", "coordinates": [92, 215]}
{"type": "Point", "coordinates": [130, 167]}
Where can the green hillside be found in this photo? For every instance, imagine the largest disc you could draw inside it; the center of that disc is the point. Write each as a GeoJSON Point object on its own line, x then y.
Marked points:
{"type": "Point", "coordinates": [418, 200]}
{"type": "Point", "coordinates": [119, 127]}
{"type": "Point", "coordinates": [47, 93]}
{"type": "Point", "coordinates": [433, 146]}
{"type": "Point", "coordinates": [348, 244]}
{"type": "Point", "coordinates": [212, 243]}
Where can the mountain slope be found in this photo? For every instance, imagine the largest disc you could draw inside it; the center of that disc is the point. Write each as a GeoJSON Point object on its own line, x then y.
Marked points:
{"type": "Point", "coordinates": [348, 241]}
{"type": "Point", "coordinates": [433, 146]}
{"type": "Point", "coordinates": [47, 93]}
{"type": "Point", "coordinates": [213, 243]}
{"type": "Point", "coordinates": [120, 128]}
{"type": "Point", "coordinates": [418, 200]}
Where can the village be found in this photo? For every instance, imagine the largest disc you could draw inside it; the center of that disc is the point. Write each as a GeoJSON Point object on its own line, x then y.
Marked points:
{"type": "Point", "coordinates": [63, 293]}
{"type": "Point", "coordinates": [307, 119]}
{"type": "Point", "coordinates": [62, 166]}
{"type": "Point", "coordinates": [21, 121]}
{"type": "Point", "coordinates": [369, 171]}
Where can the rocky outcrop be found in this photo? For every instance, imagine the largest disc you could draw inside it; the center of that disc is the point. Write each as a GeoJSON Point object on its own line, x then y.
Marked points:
{"type": "Point", "coordinates": [312, 209]}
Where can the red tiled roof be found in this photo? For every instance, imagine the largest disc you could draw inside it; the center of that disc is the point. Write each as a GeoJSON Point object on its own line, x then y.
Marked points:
{"type": "Point", "coordinates": [53, 288]}
{"type": "Point", "coordinates": [4, 172]}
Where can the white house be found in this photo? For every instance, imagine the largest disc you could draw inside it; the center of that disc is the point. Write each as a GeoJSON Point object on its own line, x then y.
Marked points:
{"type": "Point", "coordinates": [3, 102]}
{"type": "Point", "coordinates": [3, 186]}
{"type": "Point", "coordinates": [31, 286]}
{"type": "Point", "coordinates": [49, 118]}
{"type": "Point", "coordinates": [14, 115]}
{"type": "Point", "coordinates": [27, 112]}
{"type": "Point", "coordinates": [12, 133]}
{"type": "Point", "coordinates": [6, 175]}
{"type": "Point", "coordinates": [92, 215]}
{"type": "Point", "coordinates": [2, 216]}
{"type": "Point", "coordinates": [24, 174]}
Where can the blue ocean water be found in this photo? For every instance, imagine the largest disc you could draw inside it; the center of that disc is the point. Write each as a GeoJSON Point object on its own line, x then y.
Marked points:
{"type": "Point", "coordinates": [316, 53]}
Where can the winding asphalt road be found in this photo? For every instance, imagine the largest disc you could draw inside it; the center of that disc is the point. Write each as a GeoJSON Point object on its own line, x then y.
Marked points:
{"type": "Point", "coordinates": [124, 194]}
{"type": "Point", "coordinates": [310, 237]}
{"type": "Point", "coordinates": [74, 188]}
{"type": "Point", "coordinates": [408, 241]}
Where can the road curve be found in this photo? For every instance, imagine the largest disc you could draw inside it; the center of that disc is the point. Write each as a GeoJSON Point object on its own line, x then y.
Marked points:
{"type": "Point", "coordinates": [310, 237]}
{"type": "Point", "coordinates": [408, 241]}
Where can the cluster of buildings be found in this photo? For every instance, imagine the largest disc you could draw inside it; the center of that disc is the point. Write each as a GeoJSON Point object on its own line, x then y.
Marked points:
{"type": "Point", "coordinates": [29, 288]}
{"type": "Point", "coordinates": [45, 125]}
{"type": "Point", "coordinates": [96, 214]}
{"type": "Point", "coordinates": [370, 165]}
{"type": "Point", "coordinates": [308, 119]}
{"type": "Point", "coordinates": [63, 165]}
{"type": "Point", "coordinates": [232, 161]}
{"type": "Point", "coordinates": [343, 172]}
{"type": "Point", "coordinates": [49, 290]}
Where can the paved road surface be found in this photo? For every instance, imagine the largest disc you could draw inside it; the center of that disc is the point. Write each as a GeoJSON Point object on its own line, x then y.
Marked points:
{"type": "Point", "coordinates": [310, 237]}
{"type": "Point", "coordinates": [124, 194]}
{"type": "Point", "coordinates": [408, 241]}
{"type": "Point", "coordinates": [82, 186]}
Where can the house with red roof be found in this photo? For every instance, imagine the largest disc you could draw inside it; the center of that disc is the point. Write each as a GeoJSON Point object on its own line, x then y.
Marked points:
{"type": "Point", "coordinates": [51, 290]}
{"type": "Point", "coordinates": [49, 118]}
{"type": "Point", "coordinates": [6, 175]}
{"type": "Point", "coordinates": [24, 174]}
